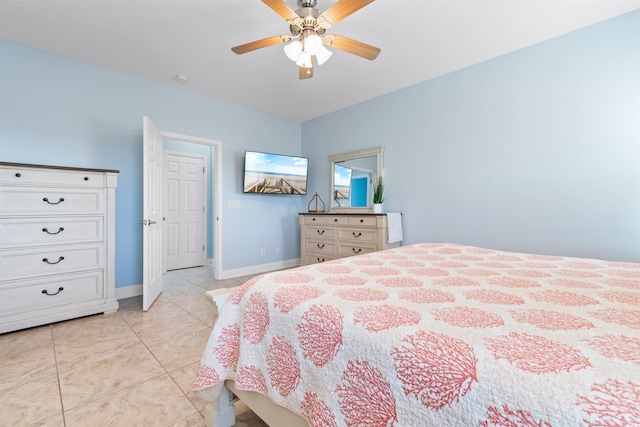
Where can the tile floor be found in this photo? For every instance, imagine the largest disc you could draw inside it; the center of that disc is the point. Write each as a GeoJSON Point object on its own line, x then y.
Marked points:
{"type": "Point", "coordinates": [128, 368]}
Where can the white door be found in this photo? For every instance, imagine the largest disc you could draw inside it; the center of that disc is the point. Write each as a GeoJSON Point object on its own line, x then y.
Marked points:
{"type": "Point", "coordinates": [151, 214]}
{"type": "Point", "coordinates": [185, 211]}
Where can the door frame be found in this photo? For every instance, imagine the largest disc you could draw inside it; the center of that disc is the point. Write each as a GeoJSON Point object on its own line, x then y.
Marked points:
{"type": "Point", "coordinates": [205, 197]}
{"type": "Point", "coordinates": [217, 193]}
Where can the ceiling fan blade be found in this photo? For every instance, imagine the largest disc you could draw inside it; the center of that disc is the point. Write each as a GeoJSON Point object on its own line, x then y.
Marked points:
{"type": "Point", "coordinates": [339, 11]}
{"type": "Point", "coordinates": [281, 8]}
{"type": "Point", "coordinates": [352, 46]}
{"type": "Point", "coordinates": [306, 73]}
{"type": "Point", "coordinates": [259, 44]}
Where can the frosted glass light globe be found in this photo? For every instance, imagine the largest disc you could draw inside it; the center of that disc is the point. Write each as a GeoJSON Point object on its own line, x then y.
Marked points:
{"type": "Point", "coordinates": [304, 61]}
{"type": "Point", "coordinates": [292, 50]}
{"type": "Point", "coordinates": [323, 55]}
{"type": "Point", "coordinates": [312, 44]}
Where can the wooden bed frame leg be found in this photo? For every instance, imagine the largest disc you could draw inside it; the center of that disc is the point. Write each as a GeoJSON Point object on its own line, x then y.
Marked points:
{"type": "Point", "coordinates": [225, 413]}
{"type": "Point", "coordinates": [217, 298]}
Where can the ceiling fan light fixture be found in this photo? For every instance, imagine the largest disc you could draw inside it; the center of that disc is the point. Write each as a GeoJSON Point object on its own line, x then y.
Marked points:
{"type": "Point", "coordinates": [323, 55]}
{"type": "Point", "coordinates": [293, 50]}
{"type": "Point", "coordinates": [305, 60]}
{"type": "Point", "coordinates": [312, 44]}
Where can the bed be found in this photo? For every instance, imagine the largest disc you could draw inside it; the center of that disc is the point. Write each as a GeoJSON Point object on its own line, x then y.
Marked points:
{"type": "Point", "coordinates": [432, 335]}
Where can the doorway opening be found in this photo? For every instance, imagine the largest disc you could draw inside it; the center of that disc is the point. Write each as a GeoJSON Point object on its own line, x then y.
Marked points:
{"type": "Point", "coordinates": [153, 206]}
{"type": "Point", "coordinates": [185, 209]}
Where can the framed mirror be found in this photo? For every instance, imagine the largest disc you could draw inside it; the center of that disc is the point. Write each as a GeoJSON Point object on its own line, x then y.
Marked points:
{"type": "Point", "coordinates": [352, 176]}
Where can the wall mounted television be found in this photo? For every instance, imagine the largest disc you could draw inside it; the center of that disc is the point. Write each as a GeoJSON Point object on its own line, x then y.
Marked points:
{"type": "Point", "coordinates": [266, 173]}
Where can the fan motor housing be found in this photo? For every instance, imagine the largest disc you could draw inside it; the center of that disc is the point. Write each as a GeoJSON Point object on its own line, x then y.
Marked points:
{"type": "Point", "coordinates": [308, 21]}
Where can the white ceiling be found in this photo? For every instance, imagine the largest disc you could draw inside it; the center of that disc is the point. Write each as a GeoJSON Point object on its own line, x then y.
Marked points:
{"type": "Point", "coordinates": [420, 39]}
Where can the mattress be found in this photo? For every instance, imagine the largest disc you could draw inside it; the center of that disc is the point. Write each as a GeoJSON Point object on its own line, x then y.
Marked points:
{"type": "Point", "coordinates": [437, 335]}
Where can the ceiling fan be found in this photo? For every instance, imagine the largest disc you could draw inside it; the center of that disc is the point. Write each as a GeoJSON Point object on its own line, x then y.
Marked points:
{"type": "Point", "coordinates": [308, 41]}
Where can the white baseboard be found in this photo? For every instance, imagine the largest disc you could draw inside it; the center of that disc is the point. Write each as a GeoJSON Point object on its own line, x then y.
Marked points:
{"type": "Point", "coordinates": [136, 290]}
{"type": "Point", "coordinates": [258, 269]}
{"type": "Point", "coordinates": [128, 291]}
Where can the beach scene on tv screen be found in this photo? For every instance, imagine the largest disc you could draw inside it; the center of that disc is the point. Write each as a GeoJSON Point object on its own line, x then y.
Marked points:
{"type": "Point", "coordinates": [341, 182]}
{"type": "Point", "coordinates": [275, 174]}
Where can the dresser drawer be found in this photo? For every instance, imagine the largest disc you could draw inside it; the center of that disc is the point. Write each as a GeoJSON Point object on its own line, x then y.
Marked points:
{"type": "Point", "coordinates": [321, 247]}
{"type": "Point", "coordinates": [357, 234]}
{"type": "Point", "coordinates": [20, 176]}
{"type": "Point", "coordinates": [50, 291]}
{"type": "Point", "coordinates": [40, 200]}
{"type": "Point", "coordinates": [50, 231]}
{"type": "Point", "coordinates": [316, 259]}
{"type": "Point", "coordinates": [320, 232]}
{"type": "Point", "coordinates": [369, 221]}
{"type": "Point", "coordinates": [326, 220]}
{"type": "Point", "coordinates": [354, 249]}
{"type": "Point", "coordinates": [21, 263]}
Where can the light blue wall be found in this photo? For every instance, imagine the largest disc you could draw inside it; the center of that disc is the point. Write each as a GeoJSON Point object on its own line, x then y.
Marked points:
{"type": "Point", "coordinates": [57, 111]}
{"type": "Point", "coordinates": [535, 151]}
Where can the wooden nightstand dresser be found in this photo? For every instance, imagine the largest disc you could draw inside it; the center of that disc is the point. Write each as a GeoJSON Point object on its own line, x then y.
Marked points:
{"type": "Point", "coordinates": [327, 236]}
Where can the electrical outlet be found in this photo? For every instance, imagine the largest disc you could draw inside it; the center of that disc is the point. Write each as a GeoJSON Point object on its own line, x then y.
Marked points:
{"type": "Point", "coordinates": [263, 252]}
{"type": "Point", "coordinates": [278, 250]}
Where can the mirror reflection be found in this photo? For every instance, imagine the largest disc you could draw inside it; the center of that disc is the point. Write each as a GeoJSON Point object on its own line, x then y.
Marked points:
{"type": "Point", "coordinates": [353, 182]}
{"type": "Point", "coordinates": [352, 176]}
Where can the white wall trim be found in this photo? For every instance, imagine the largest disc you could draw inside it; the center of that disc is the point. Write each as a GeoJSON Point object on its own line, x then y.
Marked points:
{"type": "Point", "coordinates": [261, 268]}
{"type": "Point", "coordinates": [128, 291]}
{"type": "Point", "coordinates": [136, 290]}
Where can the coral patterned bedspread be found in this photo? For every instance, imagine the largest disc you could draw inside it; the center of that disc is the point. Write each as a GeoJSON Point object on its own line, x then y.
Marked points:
{"type": "Point", "coordinates": [437, 335]}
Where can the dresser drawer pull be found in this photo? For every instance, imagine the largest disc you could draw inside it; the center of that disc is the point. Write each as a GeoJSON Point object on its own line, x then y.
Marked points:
{"type": "Point", "coordinates": [335, 220]}
{"type": "Point", "coordinates": [56, 232]}
{"type": "Point", "coordinates": [86, 178]}
{"type": "Point", "coordinates": [320, 246]}
{"type": "Point", "coordinates": [356, 235]}
{"type": "Point", "coordinates": [356, 251]}
{"type": "Point", "coordinates": [60, 289]}
{"type": "Point", "coordinates": [320, 232]}
{"type": "Point", "coordinates": [18, 175]}
{"type": "Point", "coordinates": [49, 262]}
{"type": "Point", "coordinates": [53, 203]}
{"type": "Point", "coordinates": [320, 259]}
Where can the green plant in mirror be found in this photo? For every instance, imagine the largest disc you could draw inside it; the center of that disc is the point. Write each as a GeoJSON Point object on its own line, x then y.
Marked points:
{"type": "Point", "coordinates": [378, 191]}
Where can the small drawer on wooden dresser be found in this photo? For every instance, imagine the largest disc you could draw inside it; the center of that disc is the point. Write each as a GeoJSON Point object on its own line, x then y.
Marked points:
{"type": "Point", "coordinates": [15, 264]}
{"type": "Point", "coordinates": [326, 220]}
{"type": "Point", "coordinates": [320, 232]}
{"type": "Point", "coordinates": [369, 221]}
{"type": "Point", "coordinates": [39, 201]}
{"type": "Point", "coordinates": [359, 234]}
{"type": "Point", "coordinates": [50, 231]}
{"type": "Point", "coordinates": [50, 291]}
{"type": "Point", "coordinates": [321, 247]}
{"type": "Point", "coordinates": [355, 249]}
{"type": "Point", "coordinates": [21, 176]}
{"type": "Point", "coordinates": [316, 259]}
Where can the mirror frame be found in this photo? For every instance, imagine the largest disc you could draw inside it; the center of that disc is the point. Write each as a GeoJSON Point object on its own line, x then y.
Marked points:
{"type": "Point", "coordinates": [354, 155]}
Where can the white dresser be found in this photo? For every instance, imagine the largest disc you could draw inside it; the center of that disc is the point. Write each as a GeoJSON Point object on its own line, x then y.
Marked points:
{"type": "Point", "coordinates": [57, 241]}
{"type": "Point", "coordinates": [327, 236]}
